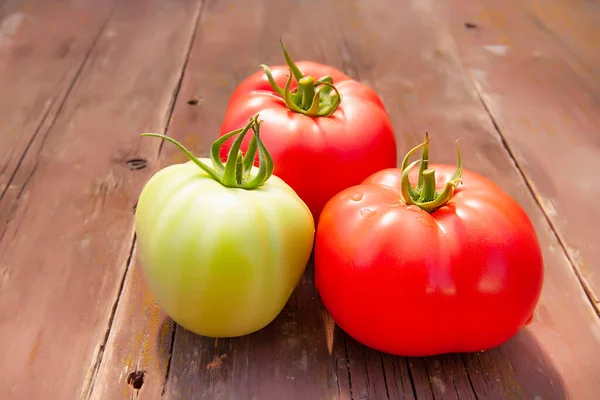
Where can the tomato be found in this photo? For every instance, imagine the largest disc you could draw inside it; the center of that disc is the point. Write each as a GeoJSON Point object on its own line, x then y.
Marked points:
{"type": "Point", "coordinates": [324, 134]}
{"type": "Point", "coordinates": [436, 268]}
{"type": "Point", "coordinates": [222, 246]}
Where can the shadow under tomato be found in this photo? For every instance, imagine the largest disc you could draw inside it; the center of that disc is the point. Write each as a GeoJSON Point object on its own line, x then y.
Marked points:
{"type": "Point", "coordinates": [288, 359]}
{"type": "Point", "coordinates": [519, 369]}
{"type": "Point", "coordinates": [298, 357]}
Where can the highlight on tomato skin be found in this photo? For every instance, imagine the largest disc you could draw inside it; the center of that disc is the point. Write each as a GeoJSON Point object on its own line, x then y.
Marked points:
{"type": "Point", "coordinates": [325, 131]}
{"type": "Point", "coordinates": [223, 245]}
{"type": "Point", "coordinates": [427, 259]}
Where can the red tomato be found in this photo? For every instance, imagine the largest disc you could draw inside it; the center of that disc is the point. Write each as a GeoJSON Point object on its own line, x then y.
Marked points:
{"type": "Point", "coordinates": [320, 143]}
{"type": "Point", "coordinates": [455, 270]}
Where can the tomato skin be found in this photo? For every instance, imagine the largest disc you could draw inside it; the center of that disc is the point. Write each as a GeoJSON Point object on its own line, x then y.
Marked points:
{"type": "Point", "coordinates": [464, 278]}
{"type": "Point", "coordinates": [316, 156]}
{"type": "Point", "coordinates": [221, 262]}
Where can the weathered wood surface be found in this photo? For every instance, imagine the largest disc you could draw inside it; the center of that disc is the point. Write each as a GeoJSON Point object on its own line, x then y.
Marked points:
{"type": "Point", "coordinates": [543, 95]}
{"type": "Point", "coordinates": [573, 24]}
{"type": "Point", "coordinates": [76, 317]}
{"type": "Point", "coordinates": [68, 236]}
{"type": "Point", "coordinates": [43, 47]}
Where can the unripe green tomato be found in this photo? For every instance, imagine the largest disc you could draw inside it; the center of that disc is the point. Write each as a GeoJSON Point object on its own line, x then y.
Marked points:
{"type": "Point", "coordinates": [221, 261]}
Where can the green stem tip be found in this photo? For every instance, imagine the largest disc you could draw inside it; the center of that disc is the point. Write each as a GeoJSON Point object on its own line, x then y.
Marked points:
{"type": "Point", "coordinates": [313, 97]}
{"type": "Point", "coordinates": [424, 195]}
{"type": "Point", "coordinates": [237, 170]}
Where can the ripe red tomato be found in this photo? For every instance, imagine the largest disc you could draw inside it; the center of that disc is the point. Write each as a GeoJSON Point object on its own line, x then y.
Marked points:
{"type": "Point", "coordinates": [324, 134]}
{"type": "Point", "coordinates": [458, 269]}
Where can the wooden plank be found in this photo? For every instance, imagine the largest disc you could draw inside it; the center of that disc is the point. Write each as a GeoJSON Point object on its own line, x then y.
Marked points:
{"type": "Point", "coordinates": [574, 23]}
{"type": "Point", "coordinates": [424, 85]}
{"type": "Point", "coordinates": [64, 254]}
{"type": "Point", "coordinates": [43, 47]}
{"type": "Point", "coordinates": [545, 104]}
{"type": "Point", "coordinates": [138, 350]}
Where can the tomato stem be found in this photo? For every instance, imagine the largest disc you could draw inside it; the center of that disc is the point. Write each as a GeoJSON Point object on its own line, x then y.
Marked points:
{"type": "Point", "coordinates": [424, 195]}
{"type": "Point", "coordinates": [424, 162]}
{"type": "Point", "coordinates": [237, 170]}
{"type": "Point", "coordinates": [428, 178]}
{"type": "Point", "coordinates": [306, 86]}
{"type": "Point", "coordinates": [239, 167]}
{"type": "Point", "coordinates": [313, 97]}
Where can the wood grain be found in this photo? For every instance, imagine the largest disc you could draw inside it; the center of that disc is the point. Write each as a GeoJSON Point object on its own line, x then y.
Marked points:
{"type": "Point", "coordinates": [64, 253]}
{"type": "Point", "coordinates": [424, 85]}
{"type": "Point", "coordinates": [572, 23]}
{"type": "Point", "coordinates": [136, 358]}
{"type": "Point", "coordinates": [43, 47]}
{"type": "Point", "coordinates": [545, 104]}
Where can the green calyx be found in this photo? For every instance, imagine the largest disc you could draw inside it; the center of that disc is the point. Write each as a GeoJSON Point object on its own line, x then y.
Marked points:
{"type": "Point", "coordinates": [237, 170]}
{"type": "Point", "coordinates": [313, 97]}
{"type": "Point", "coordinates": [424, 195]}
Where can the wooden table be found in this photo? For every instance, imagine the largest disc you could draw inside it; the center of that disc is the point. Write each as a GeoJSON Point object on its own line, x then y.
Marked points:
{"type": "Point", "coordinates": [518, 81]}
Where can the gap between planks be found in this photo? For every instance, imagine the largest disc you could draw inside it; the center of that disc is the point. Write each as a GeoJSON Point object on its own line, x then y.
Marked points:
{"type": "Point", "coordinates": [529, 185]}
{"type": "Point", "coordinates": [89, 383]}
{"type": "Point", "coordinates": [567, 50]}
{"type": "Point", "coordinates": [48, 119]}
{"type": "Point", "coordinates": [91, 380]}
{"type": "Point", "coordinates": [351, 69]}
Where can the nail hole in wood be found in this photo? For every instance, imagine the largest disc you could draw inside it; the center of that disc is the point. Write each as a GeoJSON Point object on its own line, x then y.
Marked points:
{"type": "Point", "coordinates": [136, 379]}
{"type": "Point", "coordinates": [136, 163]}
{"type": "Point", "coordinates": [470, 25]}
{"type": "Point", "coordinates": [194, 101]}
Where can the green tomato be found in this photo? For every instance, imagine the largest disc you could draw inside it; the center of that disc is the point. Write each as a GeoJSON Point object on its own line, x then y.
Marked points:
{"type": "Point", "coordinates": [221, 261]}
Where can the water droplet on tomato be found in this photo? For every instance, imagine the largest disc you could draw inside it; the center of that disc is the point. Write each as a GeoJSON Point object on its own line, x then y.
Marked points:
{"type": "Point", "coordinates": [367, 212]}
{"type": "Point", "coordinates": [356, 196]}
